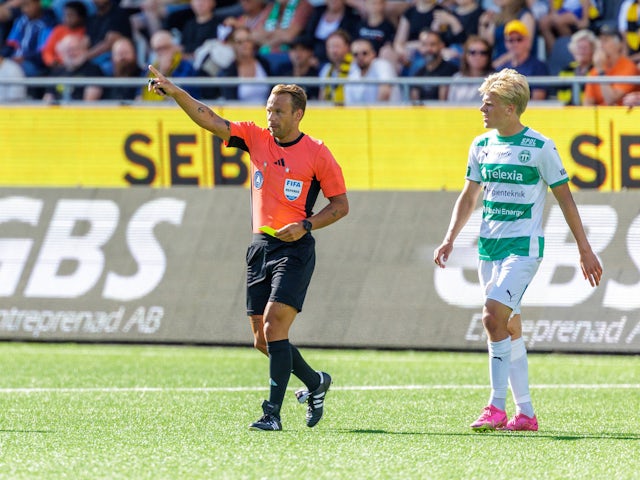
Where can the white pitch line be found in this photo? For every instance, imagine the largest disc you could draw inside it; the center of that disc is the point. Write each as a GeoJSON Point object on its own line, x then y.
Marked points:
{"type": "Point", "coordinates": [576, 386]}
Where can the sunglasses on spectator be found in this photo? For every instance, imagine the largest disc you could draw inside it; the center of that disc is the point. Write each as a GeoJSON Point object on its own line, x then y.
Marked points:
{"type": "Point", "coordinates": [478, 52]}
{"type": "Point", "coordinates": [514, 39]}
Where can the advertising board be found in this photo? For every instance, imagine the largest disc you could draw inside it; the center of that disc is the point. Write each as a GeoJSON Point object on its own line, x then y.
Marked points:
{"type": "Point", "coordinates": [410, 148]}
{"type": "Point", "coordinates": [167, 265]}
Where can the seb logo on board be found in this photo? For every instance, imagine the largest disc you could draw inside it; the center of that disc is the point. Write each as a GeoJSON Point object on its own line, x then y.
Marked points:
{"type": "Point", "coordinates": [71, 259]}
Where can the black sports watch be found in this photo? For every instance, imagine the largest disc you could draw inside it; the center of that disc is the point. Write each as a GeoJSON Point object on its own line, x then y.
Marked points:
{"type": "Point", "coordinates": [307, 225]}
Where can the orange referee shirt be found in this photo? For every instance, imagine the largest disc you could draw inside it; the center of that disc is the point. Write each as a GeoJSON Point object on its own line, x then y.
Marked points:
{"type": "Point", "coordinates": [285, 178]}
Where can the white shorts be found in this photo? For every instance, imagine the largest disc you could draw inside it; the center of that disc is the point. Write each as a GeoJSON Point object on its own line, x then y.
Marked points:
{"type": "Point", "coordinates": [506, 280]}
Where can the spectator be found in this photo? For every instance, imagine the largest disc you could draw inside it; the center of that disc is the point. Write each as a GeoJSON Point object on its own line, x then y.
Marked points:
{"type": "Point", "coordinates": [284, 20]}
{"type": "Point", "coordinates": [326, 19]}
{"type": "Point", "coordinates": [28, 36]}
{"type": "Point", "coordinates": [457, 24]}
{"type": "Point", "coordinates": [153, 16]}
{"type": "Point", "coordinates": [563, 20]}
{"type": "Point", "coordinates": [520, 57]}
{"type": "Point", "coordinates": [412, 22]}
{"type": "Point", "coordinates": [475, 62]}
{"type": "Point", "coordinates": [375, 26]}
{"type": "Point", "coordinates": [609, 60]}
{"type": "Point", "coordinates": [180, 13]}
{"type": "Point", "coordinates": [253, 13]}
{"type": "Point", "coordinates": [340, 58]}
{"type": "Point", "coordinates": [492, 25]}
{"type": "Point", "coordinates": [109, 23]}
{"type": "Point", "coordinates": [430, 47]}
{"type": "Point", "coordinates": [210, 58]}
{"type": "Point", "coordinates": [303, 63]}
{"type": "Point", "coordinates": [468, 13]}
{"type": "Point", "coordinates": [58, 7]}
{"type": "Point", "coordinates": [9, 11]}
{"type": "Point", "coordinates": [631, 100]}
{"type": "Point", "coordinates": [170, 62]}
{"type": "Point", "coordinates": [539, 8]}
{"type": "Point", "coordinates": [125, 65]}
{"type": "Point", "coordinates": [582, 47]}
{"type": "Point", "coordinates": [228, 8]}
{"type": "Point", "coordinates": [366, 65]}
{"type": "Point", "coordinates": [11, 93]}
{"type": "Point", "coordinates": [246, 65]}
{"type": "Point", "coordinates": [74, 21]}
{"type": "Point", "coordinates": [202, 27]}
{"type": "Point", "coordinates": [629, 26]}
{"type": "Point", "coordinates": [74, 52]}
{"type": "Point", "coordinates": [394, 9]}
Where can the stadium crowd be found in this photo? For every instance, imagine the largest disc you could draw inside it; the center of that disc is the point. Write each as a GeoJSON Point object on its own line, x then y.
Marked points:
{"type": "Point", "coordinates": [349, 39]}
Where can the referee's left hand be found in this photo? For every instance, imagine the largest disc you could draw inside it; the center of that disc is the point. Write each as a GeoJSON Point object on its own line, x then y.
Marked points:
{"type": "Point", "coordinates": [291, 232]}
{"type": "Point", "coordinates": [160, 85]}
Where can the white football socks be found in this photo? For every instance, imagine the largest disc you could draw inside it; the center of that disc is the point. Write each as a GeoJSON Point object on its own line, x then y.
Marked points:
{"type": "Point", "coordinates": [519, 378]}
{"type": "Point", "coordinates": [499, 362]}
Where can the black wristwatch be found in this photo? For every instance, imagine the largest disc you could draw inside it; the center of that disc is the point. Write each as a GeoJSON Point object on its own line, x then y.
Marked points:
{"type": "Point", "coordinates": [307, 225]}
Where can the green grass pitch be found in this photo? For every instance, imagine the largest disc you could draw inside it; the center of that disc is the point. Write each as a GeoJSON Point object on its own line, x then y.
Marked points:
{"type": "Point", "coordinates": [165, 412]}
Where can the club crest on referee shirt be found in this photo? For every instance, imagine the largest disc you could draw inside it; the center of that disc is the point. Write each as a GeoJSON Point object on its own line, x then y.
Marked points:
{"type": "Point", "coordinates": [292, 189]}
{"type": "Point", "coordinates": [258, 180]}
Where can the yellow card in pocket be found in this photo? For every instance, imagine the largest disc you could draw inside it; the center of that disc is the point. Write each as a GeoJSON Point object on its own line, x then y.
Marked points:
{"type": "Point", "coordinates": [268, 230]}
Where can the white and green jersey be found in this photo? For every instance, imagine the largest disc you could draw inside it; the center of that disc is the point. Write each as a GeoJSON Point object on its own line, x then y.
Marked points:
{"type": "Point", "coordinates": [515, 172]}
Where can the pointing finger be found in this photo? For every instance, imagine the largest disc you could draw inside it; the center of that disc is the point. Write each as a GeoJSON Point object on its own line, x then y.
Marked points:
{"type": "Point", "coordinates": [155, 71]}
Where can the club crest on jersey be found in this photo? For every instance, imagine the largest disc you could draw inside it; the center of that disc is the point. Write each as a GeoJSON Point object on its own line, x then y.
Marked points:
{"type": "Point", "coordinates": [258, 180]}
{"type": "Point", "coordinates": [524, 156]}
{"type": "Point", "coordinates": [292, 189]}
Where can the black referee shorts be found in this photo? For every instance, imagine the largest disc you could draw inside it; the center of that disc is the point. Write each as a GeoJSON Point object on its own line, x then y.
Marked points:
{"type": "Point", "coordinates": [278, 271]}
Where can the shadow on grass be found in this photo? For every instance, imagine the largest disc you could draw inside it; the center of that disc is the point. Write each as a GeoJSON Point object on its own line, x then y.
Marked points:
{"type": "Point", "coordinates": [546, 435]}
{"type": "Point", "coordinates": [595, 436]}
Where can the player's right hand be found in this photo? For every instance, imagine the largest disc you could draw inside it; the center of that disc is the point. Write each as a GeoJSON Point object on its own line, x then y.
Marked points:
{"type": "Point", "coordinates": [441, 254]}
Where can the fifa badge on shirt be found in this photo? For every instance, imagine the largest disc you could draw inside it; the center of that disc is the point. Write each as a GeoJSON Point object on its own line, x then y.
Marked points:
{"type": "Point", "coordinates": [292, 189]}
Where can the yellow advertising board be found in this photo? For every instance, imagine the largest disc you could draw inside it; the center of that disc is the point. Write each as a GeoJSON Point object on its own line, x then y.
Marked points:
{"type": "Point", "coordinates": [379, 148]}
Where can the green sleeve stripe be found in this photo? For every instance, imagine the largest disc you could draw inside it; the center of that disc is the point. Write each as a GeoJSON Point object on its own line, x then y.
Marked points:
{"type": "Point", "coordinates": [564, 180]}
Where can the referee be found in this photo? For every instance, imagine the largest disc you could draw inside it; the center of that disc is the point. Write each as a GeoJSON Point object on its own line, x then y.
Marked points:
{"type": "Point", "coordinates": [288, 170]}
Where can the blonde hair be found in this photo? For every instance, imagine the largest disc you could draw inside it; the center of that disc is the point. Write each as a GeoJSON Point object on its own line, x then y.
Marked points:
{"type": "Point", "coordinates": [510, 87]}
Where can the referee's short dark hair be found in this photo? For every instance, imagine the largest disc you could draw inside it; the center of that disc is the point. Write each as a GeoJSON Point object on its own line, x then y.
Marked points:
{"type": "Point", "coordinates": [298, 95]}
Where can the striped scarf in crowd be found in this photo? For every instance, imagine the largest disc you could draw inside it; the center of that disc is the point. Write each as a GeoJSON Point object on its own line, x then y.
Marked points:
{"type": "Point", "coordinates": [335, 93]}
{"type": "Point", "coordinates": [273, 21]}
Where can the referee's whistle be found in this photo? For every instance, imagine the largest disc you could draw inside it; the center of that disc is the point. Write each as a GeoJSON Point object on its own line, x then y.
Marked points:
{"type": "Point", "coordinates": [152, 83]}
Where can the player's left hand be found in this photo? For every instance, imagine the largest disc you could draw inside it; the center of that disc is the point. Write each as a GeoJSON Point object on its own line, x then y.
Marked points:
{"type": "Point", "coordinates": [591, 268]}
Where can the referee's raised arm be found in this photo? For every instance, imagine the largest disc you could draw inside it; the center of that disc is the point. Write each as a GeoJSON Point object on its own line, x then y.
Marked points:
{"type": "Point", "coordinates": [197, 111]}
